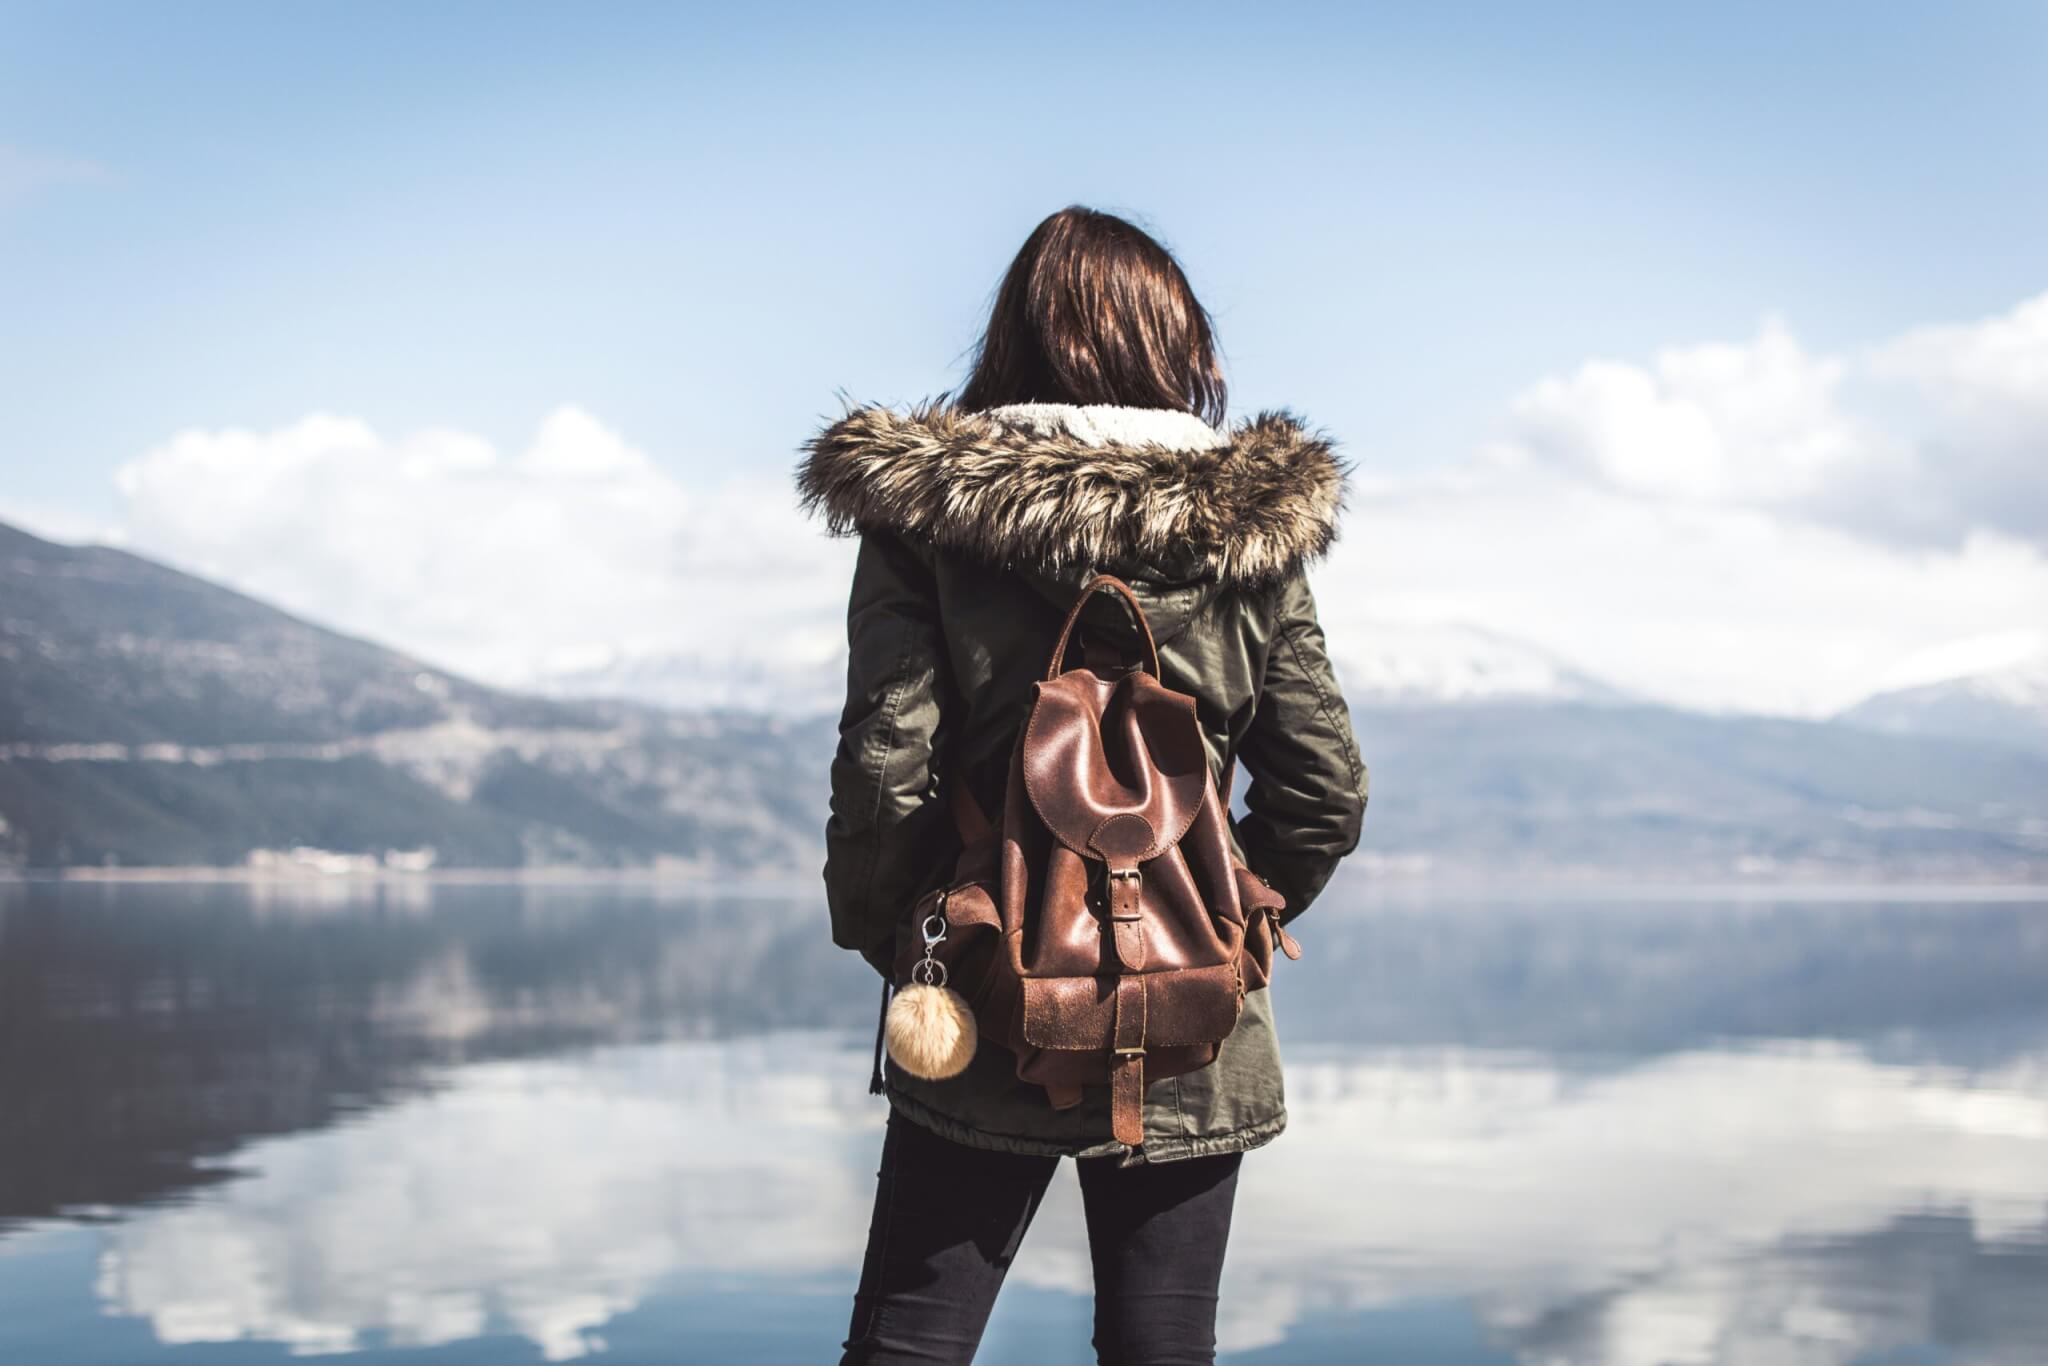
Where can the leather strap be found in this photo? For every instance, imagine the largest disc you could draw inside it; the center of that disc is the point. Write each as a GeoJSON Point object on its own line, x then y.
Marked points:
{"type": "Point", "coordinates": [1126, 916]}
{"type": "Point", "coordinates": [1095, 585]}
{"type": "Point", "coordinates": [1289, 945]}
{"type": "Point", "coordinates": [1127, 1065]}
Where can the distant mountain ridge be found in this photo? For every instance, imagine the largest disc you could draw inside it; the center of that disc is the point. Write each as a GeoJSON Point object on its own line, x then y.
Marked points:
{"type": "Point", "coordinates": [1391, 663]}
{"type": "Point", "coordinates": [1587, 790]}
{"type": "Point", "coordinates": [2005, 704]}
{"type": "Point", "coordinates": [148, 717]}
{"type": "Point", "coordinates": [97, 644]}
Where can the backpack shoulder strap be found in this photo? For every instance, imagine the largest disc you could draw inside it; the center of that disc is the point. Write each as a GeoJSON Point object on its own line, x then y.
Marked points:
{"type": "Point", "coordinates": [969, 820]}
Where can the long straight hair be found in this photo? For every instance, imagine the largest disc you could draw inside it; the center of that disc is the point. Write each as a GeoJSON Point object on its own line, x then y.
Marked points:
{"type": "Point", "coordinates": [1094, 310]}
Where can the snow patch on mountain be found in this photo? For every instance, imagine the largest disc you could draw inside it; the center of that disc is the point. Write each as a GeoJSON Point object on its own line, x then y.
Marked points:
{"type": "Point", "coordinates": [699, 681]}
{"type": "Point", "coordinates": [1988, 688]}
{"type": "Point", "coordinates": [1409, 663]}
{"type": "Point", "coordinates": [1406, 664]}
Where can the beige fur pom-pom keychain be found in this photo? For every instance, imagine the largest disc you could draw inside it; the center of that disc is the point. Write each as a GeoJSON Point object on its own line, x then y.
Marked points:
{"type": "Point", "coordinates": [931, 1027]}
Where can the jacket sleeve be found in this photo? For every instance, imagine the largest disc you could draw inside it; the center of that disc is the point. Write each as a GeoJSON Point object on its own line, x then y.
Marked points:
{"type": "Point", "coordinates": [1305, 802]}
{"type": "Point", "coordinates": [884, 839]}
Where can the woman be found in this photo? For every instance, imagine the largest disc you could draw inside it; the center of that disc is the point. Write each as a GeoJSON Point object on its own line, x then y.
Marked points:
{"type": "Point", "coordinates": [1084, 441]}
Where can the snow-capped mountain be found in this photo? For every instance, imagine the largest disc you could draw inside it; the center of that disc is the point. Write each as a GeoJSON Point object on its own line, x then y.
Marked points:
{"type": "Point", "coordinates": [701, 681]}
{"type": "Point", "coordinates": [1405, 664]}
{"type": "Point", "coordinates": [1991, 689]}
{"type": "Point", "coordinates": [150, 717]}
{"type": "Point", "coordinates": [1381, 664]}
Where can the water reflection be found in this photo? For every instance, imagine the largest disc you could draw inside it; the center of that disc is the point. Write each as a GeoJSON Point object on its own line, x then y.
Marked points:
{"type": "Point", "coordinates": [555, 1123]}
{"type": "Point", "coordinates": [544, 1196]}
{"type": "Point", "coordinates": [146, 1030]}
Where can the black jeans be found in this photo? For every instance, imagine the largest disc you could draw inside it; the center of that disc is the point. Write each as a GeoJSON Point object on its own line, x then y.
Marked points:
{"type": "Point", "coordinates": [949, 1219]}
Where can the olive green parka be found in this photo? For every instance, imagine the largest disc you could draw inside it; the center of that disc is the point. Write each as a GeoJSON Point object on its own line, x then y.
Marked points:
{"type": "Point", "coordinates": [977, 530]}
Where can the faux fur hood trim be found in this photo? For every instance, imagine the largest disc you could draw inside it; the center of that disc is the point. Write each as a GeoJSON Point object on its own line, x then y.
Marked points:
{"type": "Point", "coordinates": [1059, 485]}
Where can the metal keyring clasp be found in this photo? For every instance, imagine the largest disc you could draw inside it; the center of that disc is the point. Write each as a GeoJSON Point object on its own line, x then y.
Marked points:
{"type": "Point", "coordinates": [934, 936]}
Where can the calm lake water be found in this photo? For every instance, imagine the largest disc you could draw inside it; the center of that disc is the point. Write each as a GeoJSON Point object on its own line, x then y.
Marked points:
{"type": "Point", "coordinates": [470, 1124]}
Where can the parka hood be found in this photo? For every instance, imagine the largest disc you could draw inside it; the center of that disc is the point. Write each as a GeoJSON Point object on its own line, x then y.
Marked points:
{"type": "Point", "coordinates": [1062, 489]}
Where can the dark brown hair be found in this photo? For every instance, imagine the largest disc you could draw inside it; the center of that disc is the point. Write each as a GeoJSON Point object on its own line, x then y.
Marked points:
{"type": "Point", "coordinates": [1093, 310]}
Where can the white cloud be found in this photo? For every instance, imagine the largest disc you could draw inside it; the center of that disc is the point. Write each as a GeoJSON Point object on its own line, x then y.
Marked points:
{"type": "Point", "coordinates": [1748, 526]}
{"type": "Point", "coordinates": [1726, 423]}
{"type": "Point", "coordinates": [1997, 367]}
{"type": "Point", "coordinates": [1921, 440]}
{"type": "Point", "coordinates": [1709, 605]}
{"type": "Point", "coordinates": [576, 551]}
{"type": "Point", "coordinates": [1983, 391]}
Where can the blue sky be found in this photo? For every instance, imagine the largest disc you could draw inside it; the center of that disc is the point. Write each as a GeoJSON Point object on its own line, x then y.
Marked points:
{"type": "Point", "coordinates": [700, 225]}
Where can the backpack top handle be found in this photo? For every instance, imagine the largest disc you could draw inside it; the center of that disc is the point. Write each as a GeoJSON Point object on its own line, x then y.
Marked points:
{"type": "Point", "coordinates": [1123, 590]}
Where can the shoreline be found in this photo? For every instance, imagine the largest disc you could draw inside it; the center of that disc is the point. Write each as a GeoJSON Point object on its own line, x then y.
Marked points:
{"type": "Point", "coordinates": [704, 881]}
{"type": "Point", "coordinates": [1524, 885]}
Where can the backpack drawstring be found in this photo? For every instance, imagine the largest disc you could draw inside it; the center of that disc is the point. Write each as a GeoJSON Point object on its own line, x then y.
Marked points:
{"type": "Point", "coordinates": [881, 1025]}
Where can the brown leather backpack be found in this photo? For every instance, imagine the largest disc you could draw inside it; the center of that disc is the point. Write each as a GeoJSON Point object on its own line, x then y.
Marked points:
{"type": "Point", "coordinates": [1101, 929]}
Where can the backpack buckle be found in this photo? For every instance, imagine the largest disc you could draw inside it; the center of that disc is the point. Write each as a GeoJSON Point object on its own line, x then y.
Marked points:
{"type": "Point", "coordinates": [1126, 906]}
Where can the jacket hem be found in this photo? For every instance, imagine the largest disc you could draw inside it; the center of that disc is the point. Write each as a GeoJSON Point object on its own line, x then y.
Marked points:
{"type": "Point", "coordinates": [1164, 1148]}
